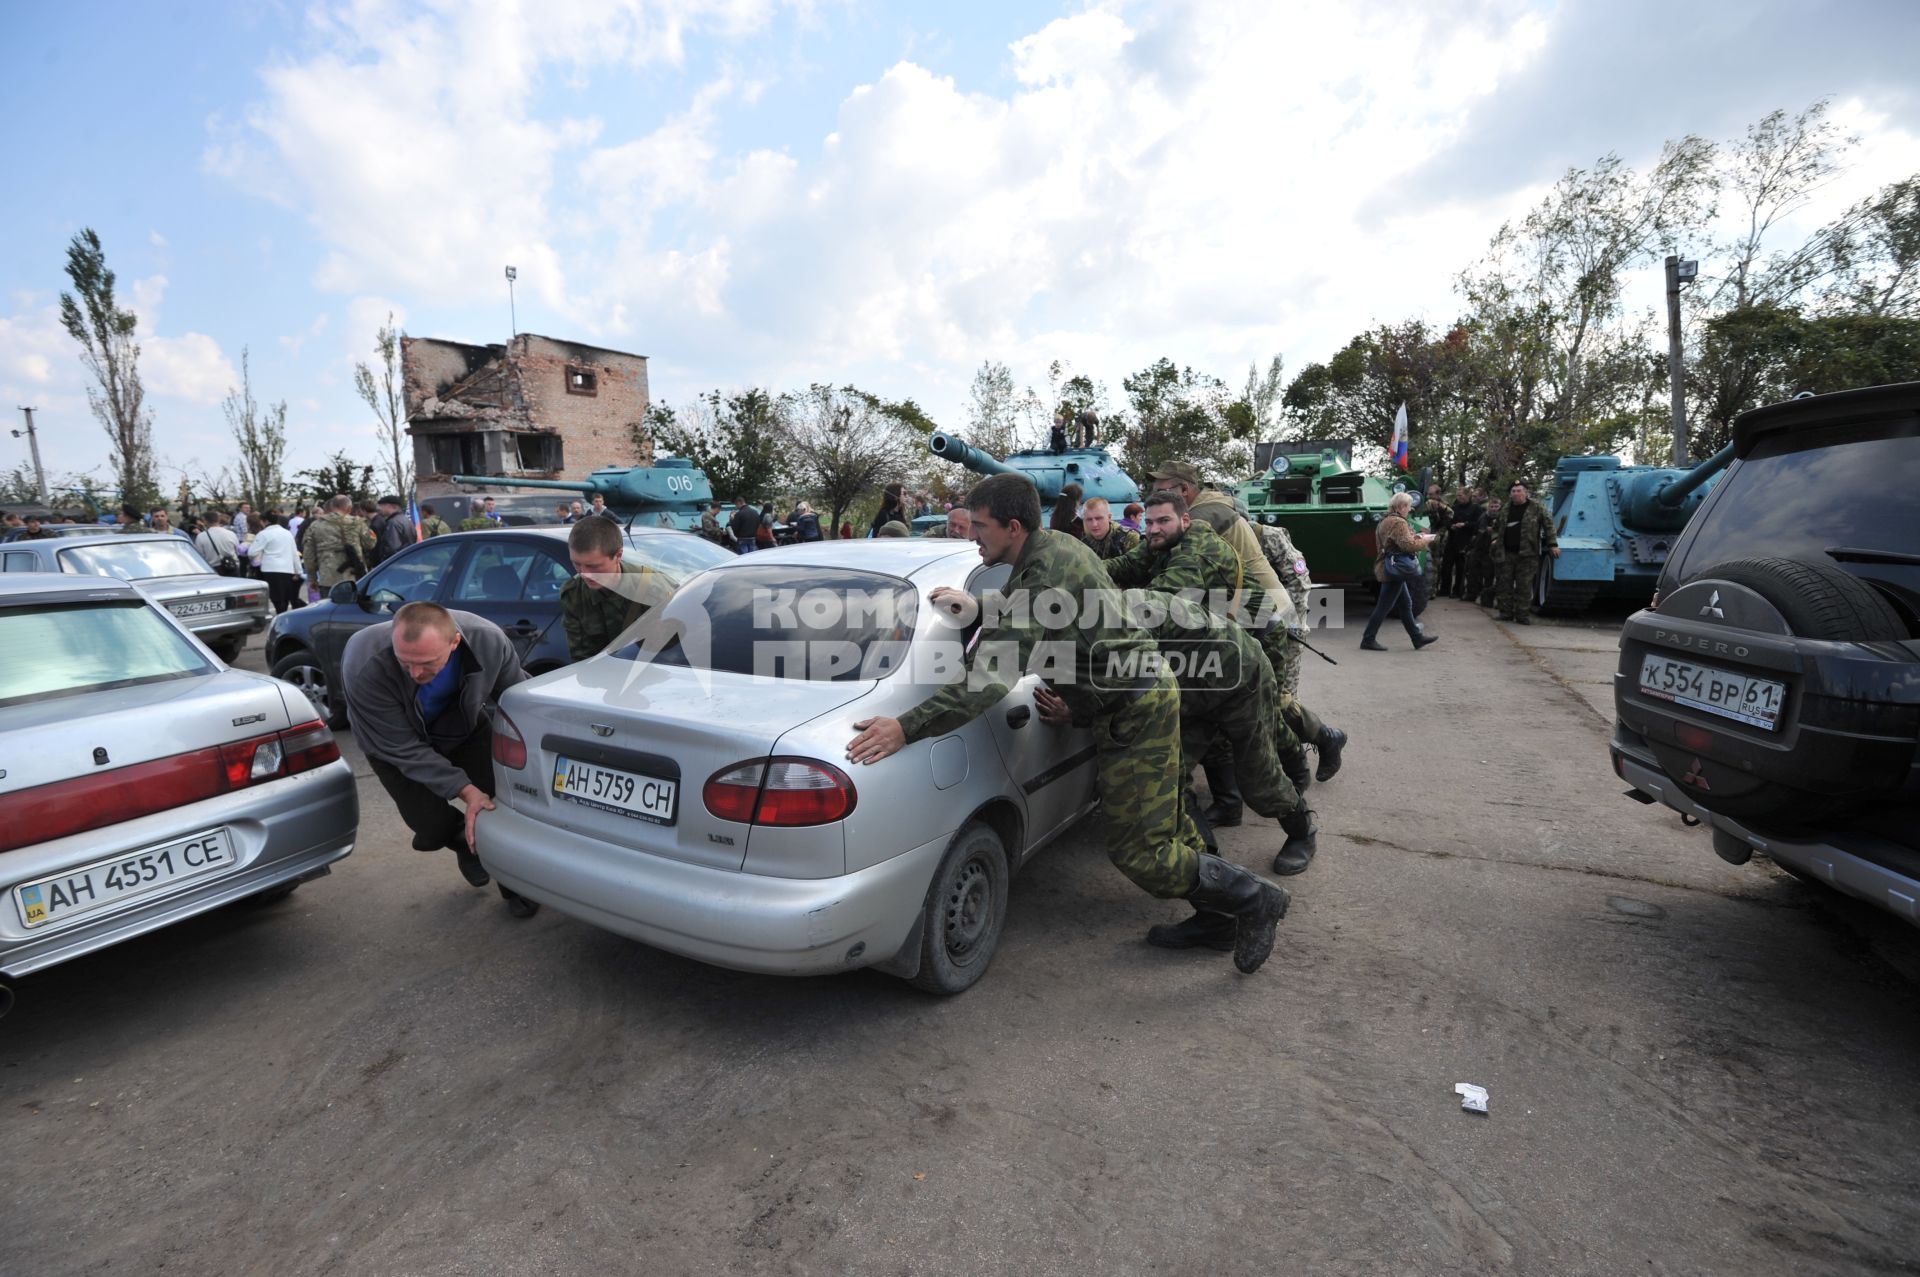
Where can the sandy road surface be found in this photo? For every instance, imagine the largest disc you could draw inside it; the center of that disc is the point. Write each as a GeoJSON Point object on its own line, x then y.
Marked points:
{"type": "Point", "coordinates": [1693, 1068]}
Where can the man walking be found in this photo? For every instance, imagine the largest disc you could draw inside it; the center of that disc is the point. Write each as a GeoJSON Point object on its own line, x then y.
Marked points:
{"type": "Point", "coordinates": [1149, 835]}
{"type": "Point", "coordinates": [1521, 531]}
{"type": "Point", "coordinates": [335, 547]}
{"type": "Point", "coordinates": [421, 689]}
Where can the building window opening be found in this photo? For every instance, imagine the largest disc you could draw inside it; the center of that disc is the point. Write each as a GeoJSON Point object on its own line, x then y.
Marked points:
{"type": "Point", "coordinates": [540, 452]}
{"type": "Point", "coordinates": [582, 381]}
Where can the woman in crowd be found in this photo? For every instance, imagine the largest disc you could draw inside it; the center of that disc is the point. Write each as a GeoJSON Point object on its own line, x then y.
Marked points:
{"type": "Point", "coordinates": [1394, 536]}
{"type": "Point", "coordinates": [273, 554]}
{"type": "Point", "coordinates": [1066, 510]}
{"type": "Point", "coordinates": [892, 509]}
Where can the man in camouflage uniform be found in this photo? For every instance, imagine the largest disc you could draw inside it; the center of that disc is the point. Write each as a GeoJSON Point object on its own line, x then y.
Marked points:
{"type": "Point", "coordinates": [1136, 725]}
{"type": "Point", "coordinates": [607, 594]}
{"type": "Point", "coordinates": [431, 524]}
{"type": "Point", "coordinates": [1520, 529]}
{"type": "Point", "coordinates": [1107, 539]}
{"type": "Point", "coordinates": [336, 546]}
{"type": "Point", "coordinates": [1480, 560]}
{"type": "Point", "coordinates": [958, 527]}
{"type": "Point", "coordinates": [1180, 554]}
{"type": "Point", "coordinates": [1439, 516]}
{"type": "Point", "coordinates": [710, 525]}
{"type": "Point", "coordinates": [1225, 516]}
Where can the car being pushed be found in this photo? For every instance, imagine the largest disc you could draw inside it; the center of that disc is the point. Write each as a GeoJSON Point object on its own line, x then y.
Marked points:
{"type": "Point", "coordinates": [221, 611]}
{"type": "Point", "coordinates": [512, 577]}
{"type": "Point", "coordinates": [689, 789]}
{"type": "Point", "coordinates": [1773, 690]}
{"type": "Point", "coordinates": [145, 783]}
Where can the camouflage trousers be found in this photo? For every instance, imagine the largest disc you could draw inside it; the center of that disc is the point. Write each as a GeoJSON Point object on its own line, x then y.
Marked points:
{"type": "Point", "coordinates": [1289, 669]}
{"type": "Point", "coordinates": [1150, 837]}
{"type": "Point", "coordinates": [1513, 578]}
{"type": "Point", "coordinates": [1237, 732]}
{"type": "Point", "coordinates": [1290, 724]}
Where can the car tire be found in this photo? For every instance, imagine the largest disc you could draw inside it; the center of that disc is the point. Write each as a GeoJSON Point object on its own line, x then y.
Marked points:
{"type": "Point", "coordinates": [273, 896]}
{"type": "Point", "coordinates": [965, 912]}
{"type": "Point", "coordinates": [303, 670]}
{"type": "Point", "coordinates": [1817, 600]}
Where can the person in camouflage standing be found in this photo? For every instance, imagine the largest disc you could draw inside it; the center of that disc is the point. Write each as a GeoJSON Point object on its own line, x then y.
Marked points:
{"type": "Point", "coordinates": [1180, 554]}
{"type": "Point", "coordinates": [607, 594]}
{"type": "Point", "coordinates": [1521, 530]}
{"type": "Point", "coordinates": [1135, 719]}
{"type": "Point", "coordinates": [431, 524]}
{"type": "Point", "coordinates": [1107, 539]}
{"type": "Point", "coordinates": [335, 547]}
{"type": "Point", "coordinates": [1439, 516]}
{"type": "Point", "coordinates": [1480, 558]}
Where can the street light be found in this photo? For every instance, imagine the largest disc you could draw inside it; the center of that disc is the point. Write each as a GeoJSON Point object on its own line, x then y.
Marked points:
{"type": "Point", "coordinates": [1678, 272]}
{"type": "Point", "coordinates": [513, 320]}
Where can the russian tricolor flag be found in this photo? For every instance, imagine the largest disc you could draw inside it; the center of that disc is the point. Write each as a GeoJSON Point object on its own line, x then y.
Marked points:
{"type": "Point", "coordinates": [1400, 437]}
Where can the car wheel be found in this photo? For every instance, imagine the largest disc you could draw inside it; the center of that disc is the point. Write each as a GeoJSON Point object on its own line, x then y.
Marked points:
{"type": "Point", "coordinates": [304, 670]}
{"type": "Point", "coordinates": [271, 897]}
{"type": "Point", "coordinates": [965, 913]}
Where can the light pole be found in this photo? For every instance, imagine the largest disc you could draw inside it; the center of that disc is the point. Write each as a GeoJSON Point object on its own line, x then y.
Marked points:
{"type": "Point", "coordinates": [1678, 273]}
{"type": "Point", "coordinates": [513, 319]}
{"type": "Point", "coordinates": [33, 444]}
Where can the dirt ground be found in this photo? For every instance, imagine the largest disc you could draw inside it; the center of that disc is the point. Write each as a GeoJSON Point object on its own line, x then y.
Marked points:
{"type": "Point", "coordinates": [1693, 1068]}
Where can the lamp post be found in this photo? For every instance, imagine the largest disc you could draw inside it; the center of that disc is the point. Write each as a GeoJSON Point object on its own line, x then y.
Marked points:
{"type": "Point", "coordinates": [1678, 273]}
{"type": "Point", "coordinates": [33, 444]}
{"type": "Point", "coordinates": [513, 319]}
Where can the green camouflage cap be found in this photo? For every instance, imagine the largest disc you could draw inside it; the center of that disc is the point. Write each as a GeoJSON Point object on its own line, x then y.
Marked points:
{"type": "Point", "coordinates": [1178, 470]}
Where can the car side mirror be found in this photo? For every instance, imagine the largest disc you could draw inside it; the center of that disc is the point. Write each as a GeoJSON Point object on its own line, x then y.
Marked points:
{"type": "Point", "coordinates": [343, 593]}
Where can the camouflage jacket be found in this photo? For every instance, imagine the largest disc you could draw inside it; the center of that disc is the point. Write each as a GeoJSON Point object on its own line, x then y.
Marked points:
{"type": "Point", "coordinates": [1116, 543]}
{"type": "Point", "coordinates": [595, 618]}
{"type": "Point", "coordinates": [1201, 561]}
{"type": "Point", "coordinates": [1205, 688]}
{"type": "Point", "coordinates": [1439, 517]}
{"type": "Point", "coordinates": [710, 528]}
{"type": "Point", "coordinates": [1287, 563]}
{"type": "Point", "coordinates": [1536, 531]}
{"type": "Point", "coordinates": [1218, 511]}
{"type": "Point", "coordinates": [335, 550]}
{"type": "Point", "coordinates": [1049, 561]}
{"type": "Point", "coordinates": [477, 523]}
{"type": "Point", "coordinates": [434, 526]}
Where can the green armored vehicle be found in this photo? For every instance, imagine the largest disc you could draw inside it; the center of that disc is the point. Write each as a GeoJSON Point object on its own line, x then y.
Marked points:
{"type": "Point", "coordinates": [1310, 488]}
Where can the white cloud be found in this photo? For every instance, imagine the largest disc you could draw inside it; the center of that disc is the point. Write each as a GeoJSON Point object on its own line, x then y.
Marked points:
{"type": "Point", "coordinates": [190, 367]}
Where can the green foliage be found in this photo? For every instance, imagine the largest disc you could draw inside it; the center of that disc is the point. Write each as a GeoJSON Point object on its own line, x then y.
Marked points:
{"type": "Point", "coordinates": [736, 439]}
{"type": "Point", "coordinates": [340, 474]}
{"type": "Point", "coordinates": [1181, 415]}
{"type": "Point", "coordinates": [381, 393]}
{"type": "Point", "coordinates": [92, 316]}
{"type": "Point", "coordinates": [260, 441]}
{"type": "Point", "coordinates": [845, 445]}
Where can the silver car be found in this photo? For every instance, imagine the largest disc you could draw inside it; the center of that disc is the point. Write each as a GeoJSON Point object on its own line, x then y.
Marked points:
{"type": "Point", "coordinates": [143, 782]}
{"type": "Point", "coordinates": [695, 797]}
{"type": "Point", "coordinates": [221, 611]}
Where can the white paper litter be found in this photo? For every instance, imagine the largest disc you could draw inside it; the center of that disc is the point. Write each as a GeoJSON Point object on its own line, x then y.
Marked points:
{"type": "Point", "coordinates": [1472, 1098]}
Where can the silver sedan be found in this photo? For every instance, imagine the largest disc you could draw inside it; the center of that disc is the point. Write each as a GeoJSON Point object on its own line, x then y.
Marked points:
{"type": "Point", "coordinates": [144, 783]}
{"type": "Point", "coordinates": [688, 790]}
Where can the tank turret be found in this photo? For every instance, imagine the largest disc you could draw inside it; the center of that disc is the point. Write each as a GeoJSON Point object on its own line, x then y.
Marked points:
{"type": "Point", "coordinates": [671, 492]}
{"type": "Point", "coordinates": [1616, 525]}
{"type": "Point", "coordinates": [1310, 488]}
{"type": "Point", "coordinates": [1097, 473]}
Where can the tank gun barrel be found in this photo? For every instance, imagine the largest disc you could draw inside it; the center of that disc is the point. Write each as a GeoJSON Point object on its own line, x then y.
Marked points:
{"type": "Point", "coordinates": [1658, 500]}
{"type": "Point", "coordinates": [1676, 492]}
{"type": "Point", "coordinates": [586, 487]}
{"type": "Point", "coordinates": [955, 449]}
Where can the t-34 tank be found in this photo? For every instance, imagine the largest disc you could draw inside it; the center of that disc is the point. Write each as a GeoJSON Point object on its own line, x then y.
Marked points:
{"type": "Point", "coordinates": [1310, 488]}
{"type": "Point", "coordinates": [670, 493]}
{"type": "Point", "coordinates": [1097, 473]}
{"type": "Point", "coordinates": [1616, 524]}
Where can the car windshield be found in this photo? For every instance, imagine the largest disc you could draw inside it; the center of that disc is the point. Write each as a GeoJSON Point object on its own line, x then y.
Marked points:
{"type": "Point", "coordinates": [680, 557]}
{"type": "Point", "coordinates": [135, 560]}
{"type": "Point", "coordinates": [1800, 497]}
{"type": "Point", "coordinates": [63, 650]}
{"type": "Point", "coordinates": [784, 622]}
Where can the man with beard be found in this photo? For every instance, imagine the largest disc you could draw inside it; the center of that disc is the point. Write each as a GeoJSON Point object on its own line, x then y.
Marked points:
{"type": "Point", "coordinates": [1135, 723]}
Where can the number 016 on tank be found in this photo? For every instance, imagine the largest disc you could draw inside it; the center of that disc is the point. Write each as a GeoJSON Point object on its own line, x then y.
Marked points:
{"type": "Point", "coordinates": [1741, 697]}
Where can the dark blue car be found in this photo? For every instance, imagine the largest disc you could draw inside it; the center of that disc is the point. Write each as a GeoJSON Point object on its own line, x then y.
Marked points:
{"type": "Point", "coordinates": [511, 576]}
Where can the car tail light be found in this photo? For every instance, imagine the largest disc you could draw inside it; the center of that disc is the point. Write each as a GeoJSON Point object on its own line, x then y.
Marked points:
{"type": "Point", "coordinates": [249, 600]}
{"type": "Point", "coordinates": [781, 791]}
{"type": "Point", "coordinates": [1695, 738]}
{"type": "Point", "coordinates": [509, 746]}
{"type": "Point", "coordinates": [66, 807]}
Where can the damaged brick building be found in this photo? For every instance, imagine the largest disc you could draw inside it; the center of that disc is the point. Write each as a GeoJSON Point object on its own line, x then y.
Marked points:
{"type": "Point", "coordinates": [534, 408]}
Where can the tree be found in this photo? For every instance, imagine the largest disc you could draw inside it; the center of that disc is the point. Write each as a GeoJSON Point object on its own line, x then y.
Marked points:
{"type": "Point", "coordinates": [382, 393]}
{"type": "Point", "coordinates": [1876, 251]}
{"type": "Point", "coordinates": [1262, 398]}
{"type": "Point", "coordinates": [994, 410]}
{"type": "Point", "coordinates": [845, 444]}
{"type": "Point", "coordinates": [735, 439]}
{"type": "Point", "coordinates": [1180, 415]}
{"type": "Point", "coordinates": [260, 436]}
{"type": "Point", "coordinates": [341, 474]}
{"type": "Point", "coordinates": [108, 349]}
{"type": "Point", "coordinates": [1772, 174]}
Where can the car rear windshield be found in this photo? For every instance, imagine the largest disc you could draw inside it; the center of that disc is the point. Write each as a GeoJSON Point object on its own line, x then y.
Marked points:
{"type": "Point", "coordinates": [784, 622]}
{"type": "Point", "coordinates": [135, 560]}
{"type": "Point", "coordinates": [1801, 497]}
{"type": "Point", "coordinates": [681, 556]}
{"type": "Point", "coordinates": [64, 650]}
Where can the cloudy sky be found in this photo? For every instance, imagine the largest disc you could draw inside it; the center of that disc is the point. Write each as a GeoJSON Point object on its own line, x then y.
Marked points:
{"type": "Point", "coordinates": [754, 192]}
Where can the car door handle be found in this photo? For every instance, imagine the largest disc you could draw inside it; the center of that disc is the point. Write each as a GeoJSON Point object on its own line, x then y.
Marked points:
{"type": "Point", "coordinates": [523, 627]}
{"type": "Point", "coordinates": [1018, 715]}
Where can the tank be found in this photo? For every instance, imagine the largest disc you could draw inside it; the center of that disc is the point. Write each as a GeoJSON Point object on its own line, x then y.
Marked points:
{"type": "Point", "coordinates": [1097, 473]}
{"type": "Point", "coordinates": [1330, 509]}
{"type": "Point", "coordinates": [1616, 525]}
{"type": "Point", "coordinates": [670, 493]}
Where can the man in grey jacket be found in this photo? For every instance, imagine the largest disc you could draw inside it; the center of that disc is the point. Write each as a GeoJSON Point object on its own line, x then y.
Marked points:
{"type": "Point", "coordinates": [421, 690]}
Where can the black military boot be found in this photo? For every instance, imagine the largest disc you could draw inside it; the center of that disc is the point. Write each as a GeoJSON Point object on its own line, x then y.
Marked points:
{"type": "Point", "coordinates": [1202, 931]}
{"type": "Point", "coordinates": [1294, 764]}
{"type": "Point", "coordinates": [1302, 841]}
{"type": "Point", "coordinates": [1255, 905]}
{"type": "Point", "coordinates": [1200, 821]}
{"type": "Point", "coordinates": [1224, 785]}
{"type": "Point", "coordinates": [1329, 743]}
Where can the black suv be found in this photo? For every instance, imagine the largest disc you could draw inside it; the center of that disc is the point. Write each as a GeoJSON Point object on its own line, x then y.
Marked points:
{"type": "Point", "coordinates": [1773, 691]}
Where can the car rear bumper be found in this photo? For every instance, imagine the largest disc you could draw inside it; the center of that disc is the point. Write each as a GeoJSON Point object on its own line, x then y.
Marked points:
{"type": "Point", "coordinates": [228, 626]}
{"type": "Point", "coordinates": [749, 922]}
{"type": "Point", "coordinates": [1863, 866]}
{"type": "Point", "coordinates": [284, 831]}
